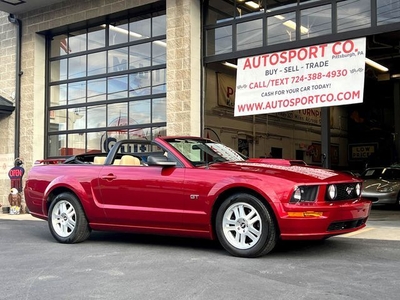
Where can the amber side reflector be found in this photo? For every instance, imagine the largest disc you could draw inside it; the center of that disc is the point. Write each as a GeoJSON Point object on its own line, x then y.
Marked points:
{"type": "Point", "coordinates": [304, 214]}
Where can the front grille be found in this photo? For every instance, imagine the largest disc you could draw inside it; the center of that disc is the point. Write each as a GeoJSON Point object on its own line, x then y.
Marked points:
{"type": "Point", "coordinates": [346, 224]}
{"type": "Point", "coordinates": [345, 191]}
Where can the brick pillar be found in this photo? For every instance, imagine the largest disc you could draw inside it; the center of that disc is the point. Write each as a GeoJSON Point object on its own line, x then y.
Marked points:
{"type": "Point", "coordinates": [7, 91]}
{"type": "Point", "coordinates": [184, 67]}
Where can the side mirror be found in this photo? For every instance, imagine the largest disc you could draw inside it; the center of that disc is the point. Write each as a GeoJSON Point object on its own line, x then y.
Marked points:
{"type": "Point", "coordinates": [160, 161]}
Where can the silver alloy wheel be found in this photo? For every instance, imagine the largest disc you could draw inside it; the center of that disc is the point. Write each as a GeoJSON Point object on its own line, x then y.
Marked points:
{"type": "Point", "coordinates": [63, 218]}
{"type": "Point", "coordinates": [242, 225]}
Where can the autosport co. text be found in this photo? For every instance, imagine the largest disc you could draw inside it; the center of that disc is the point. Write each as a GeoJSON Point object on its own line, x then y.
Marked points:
{"type": "Point", "coordinates": [299, 101]}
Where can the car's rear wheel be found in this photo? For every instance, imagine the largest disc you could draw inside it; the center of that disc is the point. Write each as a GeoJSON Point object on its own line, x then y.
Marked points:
{"type": "Point", "coordinates": [245, 226]}
{"type": "Point", "coordinates": [67, 220]}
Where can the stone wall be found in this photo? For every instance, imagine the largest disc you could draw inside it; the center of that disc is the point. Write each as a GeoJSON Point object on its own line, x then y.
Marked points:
{"type": "Point", "coordinates": [183, 67]}
{"type": "Point", "coordinates": [7, 91]}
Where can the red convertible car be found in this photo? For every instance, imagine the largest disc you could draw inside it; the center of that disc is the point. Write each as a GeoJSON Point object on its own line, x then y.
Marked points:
{"type": "Point", "coordinates": [190, 186]}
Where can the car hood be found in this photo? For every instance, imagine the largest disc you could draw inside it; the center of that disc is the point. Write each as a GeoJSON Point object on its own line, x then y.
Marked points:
{"type": "Point", "coordinates": [379, 183]}
{"type": "Point", "coordinates": [284, 170]}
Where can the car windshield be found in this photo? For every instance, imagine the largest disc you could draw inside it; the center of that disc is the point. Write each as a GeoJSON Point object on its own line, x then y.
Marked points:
{"type": "Point", "coordinates": [372, 173]}
{"type": "Point", "coordinates": [381, 173]}
{"type": "Point", "coordinates": [203, 151]}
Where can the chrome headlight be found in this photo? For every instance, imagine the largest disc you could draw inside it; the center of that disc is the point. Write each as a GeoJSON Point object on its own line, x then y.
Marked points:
{"type": "Point", "coordinates": [358, 189]}
{"type": "Point", "coordinates": [304, 193]}
{"type": "Point", "coordinates": [385, 189]}
{"type": "Point", "coordinates": [332, 192]}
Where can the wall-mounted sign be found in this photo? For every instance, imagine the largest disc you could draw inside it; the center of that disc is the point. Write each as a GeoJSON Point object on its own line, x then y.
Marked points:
{"type": "Point", "coordinates": [309, 77]}
{"type": "Point", "coordinates": [362, 151]}
{"type": "Point", "coordinates": [310, 115]}
{"type": "Point", "coordinates": [226, 90]}
{"type": "Point", "coordinates": [315, 151]}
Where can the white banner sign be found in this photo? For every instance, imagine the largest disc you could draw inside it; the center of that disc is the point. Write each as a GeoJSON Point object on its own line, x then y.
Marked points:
{"type": "Point", "coordinates": [309, 77]}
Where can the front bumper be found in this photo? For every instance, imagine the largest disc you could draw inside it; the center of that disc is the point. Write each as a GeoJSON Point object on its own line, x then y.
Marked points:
{"type": "Point", "coordinates": [380, 198]}
{"type": "Point", "coordinates": [329, 219]}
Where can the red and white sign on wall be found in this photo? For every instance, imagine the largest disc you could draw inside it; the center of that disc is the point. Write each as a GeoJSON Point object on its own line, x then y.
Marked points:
{"type": "Point", "coordinates": [315, 76]}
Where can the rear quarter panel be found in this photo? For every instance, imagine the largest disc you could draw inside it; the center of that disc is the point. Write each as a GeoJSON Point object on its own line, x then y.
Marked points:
{"type": "Point", "coordinates": [45, 181]}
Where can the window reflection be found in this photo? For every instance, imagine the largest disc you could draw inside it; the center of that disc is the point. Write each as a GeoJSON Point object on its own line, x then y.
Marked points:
{"type": "Point", "coordinates": [159, 53]}
{"type": "Point", "coordinates": [96, 116]}
{"type": "Point", "coordinates": [97, 63]}
{"type": "Point", "coordinates": [140, 56]}
{"type": "Point", "coordinates": [59, 45]}
{"type": "Point", "coordinates": [139, 84]}
{"type": "Point", "coordinates": [316, 21]}
{"type": "Point", "coordinates": [57, 144]}
{"type": "Point", "coordinates": [159, 110]}
{"type": "Point", "coordinates": [139, 29]}
{"type": "Point", "coordinates": [117, 115]}
{"type": "Point", "coordinates": [219, 11]}
{"type": "Point", "coordinates": [77, 67]}
{"type": "Point", "coordinates": [249, 35]}
{"type": "Point", "coordinates": [353, 14]}
{"type": "Point", "coordinates": [118, 33]}
{"type": "Point", "coordinates": [96, 90]}
{"type": "Point", "coordinates": [159, 25]}
{"type": "Point", "coordinates": [118, 60]}
{"type": "Point", "coordinates": [159, 78]}
{"type": "Point", "coordinates": [94, 141]}
{"type": "Point", "coordinates": [388, 11]}
{"type": "Point", "coordinates": [140, 112]}
{"type": "Point", "coordinates": [58, 70]}
{"type": "Point", "coordinates": [86, 79]}
{"type": "Point", "coordinates": [77, 92]}
{"type": "Point", "coordinates": [77, 41]}
{"type": "Point", "coordinates": [96, 38]}
{"type": "Point", "coordinates": [281, 29]}
{"type": "Point", "coordinates": [58, 119]}
{"type": "Point", "coordinates": [76, 144]}
{"type": "Point", "coordinates": [219, 40]}
{"type": "Point", "coordinates": [76, 118]}
{"type": "Point", "coordinates": [58, 95]}
{"type": "Point", "coordinates": [117, 87]}
{"type": "Point", "coordinates": [159, 131]}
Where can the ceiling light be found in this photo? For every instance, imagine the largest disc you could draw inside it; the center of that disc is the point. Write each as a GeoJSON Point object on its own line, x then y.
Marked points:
{"type": "Point", "coordinates": [396, 76]}
{"type": "Point", "coordinates": [252, 4]}
{"type": "Point", "coordinates": [125, 31]}
{"type": "Point", "coordinates": [160, 43]}
{"type": "Point", "coordinates": [279, 17]}
{"type": "Point", "coordinates": [292, 25]}
{"type": "Point", "coordinates": [230, 65]}
{"type": "Point", "coordinates": [376, 65]}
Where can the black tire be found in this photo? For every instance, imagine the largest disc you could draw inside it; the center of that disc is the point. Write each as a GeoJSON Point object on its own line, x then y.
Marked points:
{"type": "Point", "coordinates": [67, 220]}
{"type": "Point", "coordinates": [397, 204]}
{"type": "Point", "coordinates": [239, 236]}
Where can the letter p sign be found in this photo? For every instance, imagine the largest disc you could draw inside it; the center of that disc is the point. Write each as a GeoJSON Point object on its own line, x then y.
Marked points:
{"type": "Point", "coordinates": [229, 91]}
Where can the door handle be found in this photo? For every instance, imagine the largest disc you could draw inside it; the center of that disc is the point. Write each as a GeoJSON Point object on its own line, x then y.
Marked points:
{"type": "Point", "coordinates": [109, 177]}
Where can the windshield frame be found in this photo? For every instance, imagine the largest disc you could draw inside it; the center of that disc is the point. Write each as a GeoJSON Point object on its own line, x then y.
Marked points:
{"type": "Point", "coordinates": [202, 151]}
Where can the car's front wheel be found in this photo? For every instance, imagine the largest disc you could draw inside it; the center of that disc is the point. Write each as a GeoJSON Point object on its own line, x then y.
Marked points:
{"type": "Point", "coordinates": [397, 204]}
{"type": "Point", "coordinates": [245, 226]}
{"type": "Point", "coordinates": [67, 220]}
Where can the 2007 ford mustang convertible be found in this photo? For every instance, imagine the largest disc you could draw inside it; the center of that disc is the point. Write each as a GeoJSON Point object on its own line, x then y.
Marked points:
{"type": "Point", "coordinates": [191, 186]}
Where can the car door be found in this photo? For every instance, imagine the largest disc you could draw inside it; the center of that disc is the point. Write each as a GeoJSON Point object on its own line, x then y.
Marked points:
{"type": "Point", "coordinates": [142, 196]}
